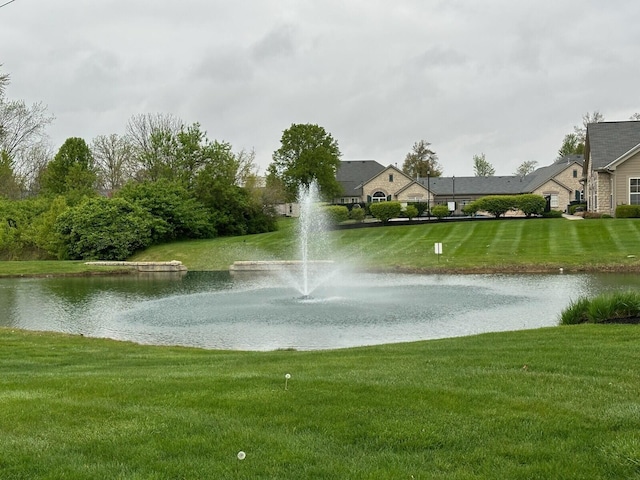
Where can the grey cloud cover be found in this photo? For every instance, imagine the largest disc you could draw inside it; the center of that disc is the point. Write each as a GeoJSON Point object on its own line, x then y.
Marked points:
{"type": "Point", "coordinates": [505, 78]}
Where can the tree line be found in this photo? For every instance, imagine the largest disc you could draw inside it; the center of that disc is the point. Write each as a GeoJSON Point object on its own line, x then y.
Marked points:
{"type": "Point", "coordinates": [164, 180]}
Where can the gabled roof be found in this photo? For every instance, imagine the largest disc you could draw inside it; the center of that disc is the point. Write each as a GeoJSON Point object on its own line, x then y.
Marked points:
{"type": "Point", "coordinates": [352, 174]}
{"type": "Point", "coordinates": [608, 141]}
{"type": "Point", "coordinates": [543, 174]}
{"type": "Point", "coordinates": [508, 185]}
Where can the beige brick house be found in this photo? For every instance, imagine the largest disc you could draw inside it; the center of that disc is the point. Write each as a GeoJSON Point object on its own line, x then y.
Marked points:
{"type": "Point", "coordinates": [612, 165]}
{"type": "Point", "coordinates": [559, 182]}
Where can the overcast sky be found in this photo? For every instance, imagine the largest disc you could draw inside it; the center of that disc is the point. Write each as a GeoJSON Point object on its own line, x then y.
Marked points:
{"type": "Point", "coordinates": [501, 77]}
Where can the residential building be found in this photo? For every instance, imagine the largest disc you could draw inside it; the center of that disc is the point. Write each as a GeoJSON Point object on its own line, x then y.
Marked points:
{"type": "Point", "coordinates": [560, 182]}
{"type": "Point", "coordinates": [612, 165]}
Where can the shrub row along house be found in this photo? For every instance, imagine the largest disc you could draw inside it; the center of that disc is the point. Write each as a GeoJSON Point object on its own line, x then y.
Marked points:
{"type": "Point", "coordinates": [368, 181]}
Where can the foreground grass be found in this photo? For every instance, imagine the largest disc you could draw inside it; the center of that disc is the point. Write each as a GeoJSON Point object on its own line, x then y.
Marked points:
{"type": "Point", "coordinates": [502, 245]}
{"type": "Point", "coordinates": [550, 403]}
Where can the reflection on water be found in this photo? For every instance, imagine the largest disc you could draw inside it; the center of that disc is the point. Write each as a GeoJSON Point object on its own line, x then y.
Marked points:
{"type": "Point", "coordinates": [216, 310]}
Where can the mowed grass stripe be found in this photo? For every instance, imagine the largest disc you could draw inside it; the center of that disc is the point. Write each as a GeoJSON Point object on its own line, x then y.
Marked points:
{"type": "Point", "coordinates": [485, 244]}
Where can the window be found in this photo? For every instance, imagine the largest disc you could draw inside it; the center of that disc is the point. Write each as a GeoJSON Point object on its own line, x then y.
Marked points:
{"type": "Point", "coordinates": [575, 174]}
{"type": "Point", "coordinates": [391, 177]}
{"type": "Point", "coordinates": [379, 197]}
{"type": "Point", "coordinates": [634, 191]}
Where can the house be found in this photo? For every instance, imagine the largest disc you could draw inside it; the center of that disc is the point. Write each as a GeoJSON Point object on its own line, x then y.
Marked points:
{"type": "Point", "coordinates": [560, 182]}
{"type": "Point", "coordinates": [352, 175]}
{"type": "Point", "coordinates": [612, 165]}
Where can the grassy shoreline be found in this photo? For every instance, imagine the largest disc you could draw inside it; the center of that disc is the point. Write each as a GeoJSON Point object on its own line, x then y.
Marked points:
{"type": "Point", "coordinates": [514, 246]}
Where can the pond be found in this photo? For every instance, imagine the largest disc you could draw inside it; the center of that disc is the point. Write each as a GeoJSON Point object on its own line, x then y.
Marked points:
{"type": "Point", "coordinates": [217, 310]}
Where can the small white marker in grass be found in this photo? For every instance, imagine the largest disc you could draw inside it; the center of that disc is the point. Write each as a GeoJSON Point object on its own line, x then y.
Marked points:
{"type": "Point", "coordinates": [241, 455]}
{"type": "Point", "coordinates": [286, 381]}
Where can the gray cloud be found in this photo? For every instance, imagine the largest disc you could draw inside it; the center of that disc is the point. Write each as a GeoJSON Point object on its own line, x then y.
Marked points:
{"type": "Point", "coordinates": [506, 78]}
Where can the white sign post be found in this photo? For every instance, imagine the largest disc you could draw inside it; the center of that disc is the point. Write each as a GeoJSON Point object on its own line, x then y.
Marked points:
{"type": "Point", "coordinates": [438, 249]}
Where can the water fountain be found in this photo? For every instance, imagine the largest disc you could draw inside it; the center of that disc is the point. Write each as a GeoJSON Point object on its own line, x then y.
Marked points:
{"type": "Point", "coordinates": [288, 303]}
{"type": "Point", "coordinates": [313, 267]}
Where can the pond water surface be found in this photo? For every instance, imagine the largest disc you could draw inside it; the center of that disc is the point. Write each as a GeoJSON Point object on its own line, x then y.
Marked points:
{"type": "Point", "coordinates": [248, 312]}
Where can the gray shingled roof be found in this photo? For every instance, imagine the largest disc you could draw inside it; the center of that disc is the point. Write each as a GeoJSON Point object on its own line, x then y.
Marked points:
{"type": "Point", "coordinates": [352, 174]}
{"type": "Point", "coordinates": [508, 185]}
{"type": "Point", "coordinates": [607, 141]}
{"type": "Point", "coordinates": [543, 174]}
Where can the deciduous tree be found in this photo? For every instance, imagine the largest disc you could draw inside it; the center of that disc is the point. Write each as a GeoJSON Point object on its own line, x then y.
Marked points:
{"type": "Point", "coordinates": [481, 167]}
{"type": "Point", "coordinates": [71, 171]}
{"type": "Point", "coordinates": [421, 160]}
{"type": "Point", "coordinates": [307, 153]}
{"type": "Point", "coordinates": [570, 145]}
{"type": "Point", "coordinates": [581, 130]}
{"type": "Point", "coordinates": [525, 168]}
{"type": "Point", "coordinates": [114, 161]}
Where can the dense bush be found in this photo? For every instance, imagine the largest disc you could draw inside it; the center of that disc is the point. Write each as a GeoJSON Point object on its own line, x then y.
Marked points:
{"type": "Point", "coordinates": [336, 213]}
{"type": "Point", "coordinates": [104, 229]}
{"type": "Point", "coordinates": [177, 215]}
{"type": "Point", "coordinates": [420, 206]}
{"type": "Point", "coordinates": [470, 208]}
{"type": "Point", "coordinates": [530, 204]}
{"type": "Point", "coordinates": [357, 214]}
{"type": "Point", "coordinates": [385, 211]}
{"type": "Point", "coordinates": [496, 205]}
{"type": "Point", "coordinates": [628, 211]}
{"type": "Point", "coordinates": [410, 212]}
{"type": "Point", "coordinates": [578, 207]}
{"type": "Point", "coordinates": [606, 308]}
{"type": "Point", "coordinates": [552, 214]}
{"type": "Point", "coordinates": [18, 235]}
{"type": "Point", "coordinates": [440, 211]}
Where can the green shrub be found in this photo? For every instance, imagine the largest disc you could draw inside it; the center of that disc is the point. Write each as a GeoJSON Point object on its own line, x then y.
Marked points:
{"type": "Point", "coordinates": [420, 206]}
{"type": "Point", "coordinates": [531, 204]}
{"type": "Point", "coordinates": [578, 207]}
{"type": "Point", "coordinates": [104, 229]}
{"type": "Point", "coordinates": [411, 212]}
{"type": "Point", "coordinates": [552, 214]}
{"type": "Point", "coordinates": [385, 211]}
{"type": "Point", "coordinates": [336, 213]}
{"type": "Point", "coordinates": [18, 237]}
{"type": "Point", "coordinates": [177, 214]}
{"type": "Point", "coordinates": [471, 208]}
{"type": "Point", "coordinates": [628, 211]}
{"type": "Point", "coordinates": [357, 214]}
{"type": "Point", "coordinates": [606, 308]}
{"type": "Point", "coordinates": [440, 211]}
{"type": "Point", "coordinates": [497, 205]}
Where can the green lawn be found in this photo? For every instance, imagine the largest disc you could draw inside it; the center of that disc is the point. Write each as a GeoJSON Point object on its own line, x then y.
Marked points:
{"type": "Point", "coordinates": [505, 245]}
{"type": "Point", "coordinates": [488, 245]}
{"type": "Point", "coordinates": [550, 403]}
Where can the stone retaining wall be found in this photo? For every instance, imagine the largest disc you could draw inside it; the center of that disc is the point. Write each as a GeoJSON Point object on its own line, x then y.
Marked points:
{"type": "Point", "coordinates": [172, 266]}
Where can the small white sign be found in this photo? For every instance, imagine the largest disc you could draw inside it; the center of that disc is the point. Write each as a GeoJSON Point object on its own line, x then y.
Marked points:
{"type": "Point", "coordinates": [438, 248]}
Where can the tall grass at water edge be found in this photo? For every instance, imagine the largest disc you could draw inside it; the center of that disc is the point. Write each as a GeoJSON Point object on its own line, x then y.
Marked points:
{"type": "Point", "coordinates": [616, 307]}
